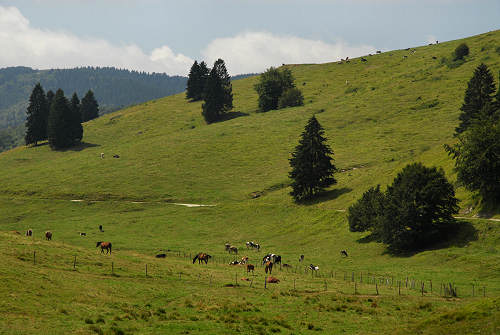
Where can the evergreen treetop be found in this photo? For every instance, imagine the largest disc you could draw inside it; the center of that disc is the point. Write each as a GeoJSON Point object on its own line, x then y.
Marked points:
{"type": "Point", "coordinates": [59, 125]}
{"type": "Point", "coordinates": [311, 163]}
{"type": "Point", "coordinates": [196, 81]}
{"type": "Point", "coordinates": [479, 94]}
{"type": "Point", "coordinates": [89, 107]}
{"type": "Point", "coordinates": [218, 94]}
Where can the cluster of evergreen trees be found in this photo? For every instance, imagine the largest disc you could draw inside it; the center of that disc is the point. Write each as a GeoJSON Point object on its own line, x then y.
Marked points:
{"type": "Point", "coordinates": [477, 152]}
{"type": "Point", "coordinates": [54, 118]}
{"type": "Point", "coordinates": [213, 86]}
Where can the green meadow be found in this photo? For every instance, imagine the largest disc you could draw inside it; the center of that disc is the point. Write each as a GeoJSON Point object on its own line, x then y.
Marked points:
{"type": "Point", "coordinates": [378, 116]}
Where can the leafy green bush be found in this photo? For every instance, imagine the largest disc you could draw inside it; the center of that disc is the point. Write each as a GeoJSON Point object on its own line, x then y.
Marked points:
{"type": "Point", "coordinates": [460, 52]}
{"type": "Point", "coordinates": [291, 97]}
{"type": "Point", "coordinates": [364, 214]}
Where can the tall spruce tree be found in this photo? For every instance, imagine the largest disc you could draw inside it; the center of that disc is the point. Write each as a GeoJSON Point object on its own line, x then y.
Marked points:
{"type": "Point", "coordinates": [196, 81]}
{"type": "Point", "coordinates": [311, 163]}
{"type": "Point", "coordinates": [36, 118]}
{"type": "Point", "coordinates": [218, 93]}
{"type": "Point", "coordinates": [76, 119]}
{"type": "Point", "coordinates": [60, 122]}
{"type": "Point", "coordinates": [478, 95]}
{"type": "Point", "coordinates": [89, 107]}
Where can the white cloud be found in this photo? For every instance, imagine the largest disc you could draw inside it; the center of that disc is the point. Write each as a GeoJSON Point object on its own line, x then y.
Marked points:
{"type": "Point", "coordinates": [256, 51]}
{"type": "Point", "coordinates": [431, 39]}
{"type": "Point", "coordinates": [21, 44]}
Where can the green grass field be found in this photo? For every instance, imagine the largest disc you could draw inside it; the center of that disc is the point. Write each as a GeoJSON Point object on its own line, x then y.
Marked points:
{"type": "Point", "coordinates": [391, 111]}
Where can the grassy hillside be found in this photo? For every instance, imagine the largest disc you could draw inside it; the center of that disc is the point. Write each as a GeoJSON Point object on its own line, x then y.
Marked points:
{"type": "Point", "coordinates": [378, 115]}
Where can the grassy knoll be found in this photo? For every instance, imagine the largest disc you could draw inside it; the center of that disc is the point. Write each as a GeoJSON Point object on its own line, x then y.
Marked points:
{"type": "Point", "coordinates": [392, 110]}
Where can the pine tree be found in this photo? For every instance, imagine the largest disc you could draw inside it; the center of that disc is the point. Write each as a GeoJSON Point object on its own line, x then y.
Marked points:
{"type": "Point", "coordinates": [50, 97]}
{"type": "Point", "coordinates": [218, 93]}
{"type": "Point", "coordinates": [89, 107]}
{"type": "Point", "coordinates": [311, 163]}
{"type": "Point", "coordinates": [76, 119]}
{"type": "Point", "coordinates": [60, 122]}
{"type": "Point", "coordinates": [193, 81]}
{"type": "Point", "coordinates": [36, 118]}
{"type": "Point", "coordinates": [479, 94]}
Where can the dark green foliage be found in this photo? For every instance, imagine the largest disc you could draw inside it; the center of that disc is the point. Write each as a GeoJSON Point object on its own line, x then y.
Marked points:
{"type": "Point", "coordinates": [460, 52]}
{"type": "Point", "coordinates": [196, 81]}
{"type": "Point", "coordinates": [76, 119]}
{"type": "Point", "coordinates": [36, 118]}
{"type": "Point", "coordinates": [291, 97]}
{"type": "Point", "coordinates": [479, 94]}
{"type": "Point", "coordinates": [311, 163]}
{"type": "Point", "coordinates": [218, 93]}
{"type": "Point", "coordinates": [50, 97]}
{"type": "Point", "coordinates": [477, 159]}
{"type": "Point", "coordinates": [89, 107]}
{"type": "Point", "coordinates": [419, 207]}
{"type": "Point", "coordinates": [60, 118]}
{"type": "Point", "coordinates": [365, 213]}
{"type": "Point", "coordinates": [271, 86]}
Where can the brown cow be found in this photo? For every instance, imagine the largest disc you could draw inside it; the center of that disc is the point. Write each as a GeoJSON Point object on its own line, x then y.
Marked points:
{"type": "Point", "coordinates": [273, 280]}
{"type": "Point", "coordinates": [48, 235]}
{"type": "Point", "coordinates": [269, 267]}
{"type": "Point", "coordinates": [29, 232]}
{"type": "Point", "coordinates": [250, 267]}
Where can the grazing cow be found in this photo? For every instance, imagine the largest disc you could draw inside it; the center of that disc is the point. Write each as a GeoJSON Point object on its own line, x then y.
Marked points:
{"type": "Point", "coordinates": [48, 235]}
{"type": "Point", "coordinates": [227, 246]}
{"type": "Point", "coordinates": [161, 256]}
{"type": "Point", "coordinates": [364, 60]}
{"type": "Point", "coordinates": [233, 249]}
{"type": "Point", "coordinates": [252, 245]}
{"type": "Point", "coordinates": [273, 280]}
{"type": "Point", "coordinates": [434, 57]}
{"type": "Point", "coordinates": [104, 245]}
{"type": "Point", "coordinates": [100, 228]}
{"type": "Point", "coordinates": [244, 260]}
{"type": "Point", "coordinates": [29, 232]}
{"type": "Point", "coordinates": [250, 267]}
{"type": "Point", "coordinates": [405, 56]}
{"type": "Point", "coordinates": [116, 156]}
{"type": "Point", "coordinates": [202, 257]}
{"type": "Point", "coordinates": [313, 267]}
{"type": "Point", "coordinates": [83, 234]}
{"type": "Point", "coordinates": [234, 263]}
{"type": "Point", "coordinates": [301, 259]}
{"type": "Point", "coordinates": [102, 155]}
{"type": "Point", "coordinates": [343, 253]}
{"type": "Point", "coordinates": [379, 52]}
{"type": "Point", "coordinates": [269, 267]}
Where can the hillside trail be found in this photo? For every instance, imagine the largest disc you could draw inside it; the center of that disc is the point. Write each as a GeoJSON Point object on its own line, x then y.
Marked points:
{"type": "Point", "coordinates": [148, 202]}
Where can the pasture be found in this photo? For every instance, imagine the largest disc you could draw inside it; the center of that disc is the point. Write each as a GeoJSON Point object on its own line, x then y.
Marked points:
{"type": "Point", "coordinates": [393, 110]}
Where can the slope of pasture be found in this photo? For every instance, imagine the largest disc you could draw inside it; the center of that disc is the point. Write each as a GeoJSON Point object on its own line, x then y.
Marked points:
{"type": "Point", "coordinates": [392, 111]}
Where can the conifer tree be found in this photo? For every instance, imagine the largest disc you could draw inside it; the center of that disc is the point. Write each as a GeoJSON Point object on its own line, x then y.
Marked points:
{"type": "Point", "coordinates": [76, 119]}
{"type": "Point", "coordinates": [89, 107]}
{"type": "Point", "coordinates": [196, 81]}
{"type": "Point", "coordinates": [218, 93]}
{"type": "Point", "coordinates": [311, 163]}
{"type": "Point", "coordinates": [50, 97]}
{"type": "Point", "coordinates": [479, 94]}
{"type": "Point", "coordinates": [36, 118]}
{"type": "Point", "coordinates": [60, 122]}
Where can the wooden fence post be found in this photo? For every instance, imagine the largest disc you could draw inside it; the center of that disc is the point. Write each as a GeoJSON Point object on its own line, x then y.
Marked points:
{"type": "Point", "coordinates": [112, 268]}
{"type": "Point", "coordinates": [376, 287]}
{"type": "Point", "coordinates": [34, 257]}
{"type": "Point", "coordinates": [422, 288]}
{"type": "Point", "coordinates": [484, 291]}
{"type": "Point", "coordinates": [265, 282]}
{"type": "Point", "coordinates": [430, 283]}
{"type": "Point", "coordinates": [355, 288]}
{"type": "Point", "coordinates": [326, 286]}
{"type": "Point", "coordinates": [74, 263]}
{"type": "Point", "coordinates": [472, 289]}
{"type": "Point", "coordinates": [146, 269]}
{"type": "Point", "coordinates": [294, 283]}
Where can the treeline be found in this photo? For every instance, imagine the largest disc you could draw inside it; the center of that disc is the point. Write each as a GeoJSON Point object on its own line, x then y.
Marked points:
{"type": "Point", "coordinates": [54, 118]}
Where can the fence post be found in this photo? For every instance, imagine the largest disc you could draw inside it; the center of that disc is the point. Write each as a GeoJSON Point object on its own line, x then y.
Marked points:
{"type": "Point", "coordinates": [430, 283]}
{"type": "Point", "coordinates": [376, 287]}
{"type": "Point", "coordinates": [146, 269]}
{"type": "Point", "coordinates": [326, 286]}
{"type": "Point", "coordinates": [399, 287]}
{"type": "Point", "coordinates": [34, 257]}
{"type": "Point", "coordinates": [352, 277]}
{"type": "Point", "coordinates": [361, 276]}
{"type": "Point", "coordinates": [112, 268]}
{"type": "Point", "coordinates": [235, 279]}
{"type": "Point", "coordinates": [294, 283]}
{"type": "Point", "coordinates": [484, 291]}
{"type": "Point", "coordinates": [472, 289]}
{"type": "Point", "coordinates": [423, 289]}
{"type": "Point", "coordinates": [355, 288]}
{"type": "Point", "coordinates": [74, 263]}
{"type": "Point", "coordinates": [265, 282]}
{"type": "Point", "coordinates": [251, 282]}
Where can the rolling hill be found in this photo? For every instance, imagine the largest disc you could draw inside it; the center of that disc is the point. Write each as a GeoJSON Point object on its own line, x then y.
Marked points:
{"type": "Point", "coordinates": [398, 107]}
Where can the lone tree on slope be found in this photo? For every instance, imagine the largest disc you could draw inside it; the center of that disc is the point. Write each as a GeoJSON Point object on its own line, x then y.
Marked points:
{"type": "Point", "coordinates": [311, 163]}
{"type": "Point", "coordinates": [37, 115]}
{"type": "Point", "coordinates": [271, 86]}
{"type": "Point", "coordinates": [218, 93]}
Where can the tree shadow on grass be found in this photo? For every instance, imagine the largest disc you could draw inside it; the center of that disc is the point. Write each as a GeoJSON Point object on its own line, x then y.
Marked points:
{"type": "Point", "coordinates": [232, 115]}
{"type": "Point", "coordinates": [327, 195]}
{"type": "Point", "coordinates": [459, 234]}
{"type": "Point", "coordinates": [81, 146]}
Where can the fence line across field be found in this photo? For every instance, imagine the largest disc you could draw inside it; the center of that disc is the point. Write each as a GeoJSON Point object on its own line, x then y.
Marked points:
{"type": "Point", "coordinates": [363, 278]}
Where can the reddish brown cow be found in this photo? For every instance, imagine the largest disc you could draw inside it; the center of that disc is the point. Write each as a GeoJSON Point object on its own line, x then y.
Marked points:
{"type": "Point", "coordinates": [273, 280]}
{"type": "Point", "coordinates": [250, 267]}
{"type": "Point", "coordinates": [48, 235]}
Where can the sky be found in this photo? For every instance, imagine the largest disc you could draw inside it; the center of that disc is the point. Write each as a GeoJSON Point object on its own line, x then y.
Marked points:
{"type": "Point", "coordinates": [250, 35]}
